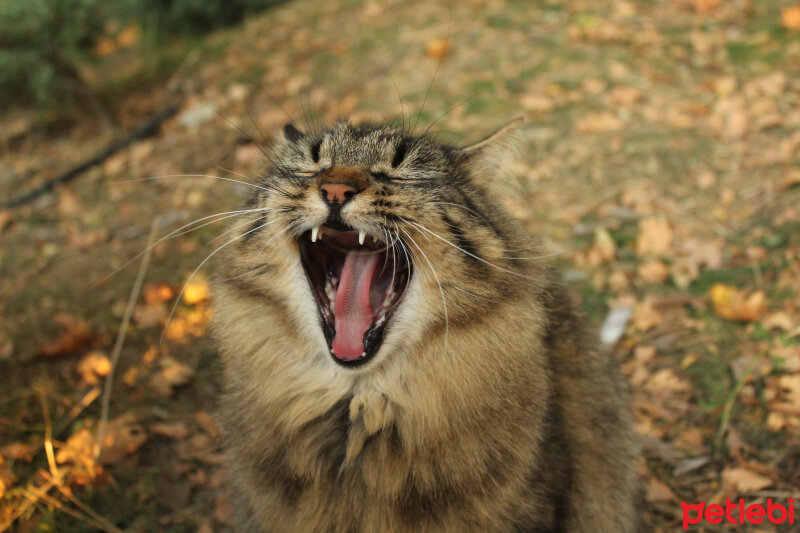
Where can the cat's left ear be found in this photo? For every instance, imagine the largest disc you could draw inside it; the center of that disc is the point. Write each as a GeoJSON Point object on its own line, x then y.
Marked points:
{"type": "Point", "coordinates": [494, 151]}
{"type": "Point", "coordinates": [292, 134]}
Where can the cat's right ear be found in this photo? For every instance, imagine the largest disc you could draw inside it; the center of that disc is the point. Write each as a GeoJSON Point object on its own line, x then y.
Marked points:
{"type": "Point", "coordinates": [292, 134]}
{"type": "Point", "coordinates": [493, 153]}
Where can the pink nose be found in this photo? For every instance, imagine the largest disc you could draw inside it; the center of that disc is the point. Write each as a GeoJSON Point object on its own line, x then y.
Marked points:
{"type": "Point", "coordinates": [337, 193]}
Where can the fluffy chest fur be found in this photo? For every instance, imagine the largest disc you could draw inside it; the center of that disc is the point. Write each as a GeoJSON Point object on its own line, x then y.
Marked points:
{"type": "Point", "coordinates": [398, 358]}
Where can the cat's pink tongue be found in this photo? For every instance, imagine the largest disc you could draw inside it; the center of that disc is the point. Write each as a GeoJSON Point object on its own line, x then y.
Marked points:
{"type": "Point", "coordinates": [352, 311]}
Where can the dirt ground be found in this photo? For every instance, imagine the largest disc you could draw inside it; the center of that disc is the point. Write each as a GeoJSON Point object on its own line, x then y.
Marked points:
{"type": "Point", "coordinates": [661, 165]}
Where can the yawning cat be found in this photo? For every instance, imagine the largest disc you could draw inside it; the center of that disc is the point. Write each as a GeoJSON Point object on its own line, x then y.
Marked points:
{"type": "Point", "coordinates": [400, 358]}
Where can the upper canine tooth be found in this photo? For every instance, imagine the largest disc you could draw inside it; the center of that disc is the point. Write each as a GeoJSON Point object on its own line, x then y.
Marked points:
{"type": "Point", "coordinates": [361, 236]}
{"type": "Point", "coordinates": [314, 233]}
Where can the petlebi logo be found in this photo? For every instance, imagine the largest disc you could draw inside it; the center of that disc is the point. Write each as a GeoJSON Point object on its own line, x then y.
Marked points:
{"type": "Point", "coordinates": [738, 512]}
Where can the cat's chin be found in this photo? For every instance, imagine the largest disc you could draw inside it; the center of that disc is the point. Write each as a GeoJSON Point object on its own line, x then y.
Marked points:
{"type": "Point", "coordinates": [358, 281]}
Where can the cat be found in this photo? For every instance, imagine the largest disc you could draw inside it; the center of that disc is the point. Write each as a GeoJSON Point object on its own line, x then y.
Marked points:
{"type": "Point", "coordinates": [399, 357]}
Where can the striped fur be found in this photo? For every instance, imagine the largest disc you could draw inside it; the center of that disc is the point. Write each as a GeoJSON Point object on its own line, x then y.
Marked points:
{"type": "Point", "coordinates": [487, 408]}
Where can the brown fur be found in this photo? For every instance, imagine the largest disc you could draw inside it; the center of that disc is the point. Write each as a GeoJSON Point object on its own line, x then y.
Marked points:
{"type": "Point", "coordinates": [487, 408]}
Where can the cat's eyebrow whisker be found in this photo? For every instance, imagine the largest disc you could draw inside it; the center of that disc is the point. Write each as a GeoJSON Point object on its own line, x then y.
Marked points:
{"type": "Point", "coordinates": [222, 178]}
{"type": "Point", "coordinates": [482, 260]}
{"type": "Point", "coordinates": [184, 231]}
{"type": "Point", "coordinates": [441, 289]}
{"type": "Point", "coordinates": [196, 270]}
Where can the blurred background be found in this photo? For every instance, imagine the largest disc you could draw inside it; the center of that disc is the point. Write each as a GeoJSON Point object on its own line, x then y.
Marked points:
{"type": "Point", "coordinates": [661, 165]}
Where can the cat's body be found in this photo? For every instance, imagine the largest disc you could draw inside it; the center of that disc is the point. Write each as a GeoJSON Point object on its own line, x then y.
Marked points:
{"type": "Point", "coordinates": [478, 401]}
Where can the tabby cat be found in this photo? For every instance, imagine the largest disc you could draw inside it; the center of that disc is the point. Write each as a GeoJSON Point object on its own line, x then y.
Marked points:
{"type": "Point", "coordinates": [399, 357]}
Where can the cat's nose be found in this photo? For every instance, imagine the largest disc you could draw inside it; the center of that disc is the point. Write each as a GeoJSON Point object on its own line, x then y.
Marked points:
{"type": "Point", "coordinates": [337, 193]}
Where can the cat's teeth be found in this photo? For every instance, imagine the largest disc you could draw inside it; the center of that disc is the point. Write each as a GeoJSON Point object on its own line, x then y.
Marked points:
{"type": "Point", "coordinates": [314, 233]}
{"type": "Point", "coordinates": [361, 236]}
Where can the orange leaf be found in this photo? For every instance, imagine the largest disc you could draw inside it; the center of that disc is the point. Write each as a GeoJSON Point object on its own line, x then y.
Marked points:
{"type": "Point", "coordinates": [743, 480]}
{"type": "Point", "coordinates": [790, 17]}
{"type": "Point", "coordinates": [654, 238]}
{"type": "Point", "coordinates": [75, 336]}
{"type": "Point", "coordinates": [437, 48]}
{"type": "Point", "coordinates": [94, 366]}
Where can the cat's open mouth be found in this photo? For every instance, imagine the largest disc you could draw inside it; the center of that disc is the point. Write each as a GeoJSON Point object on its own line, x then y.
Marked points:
{"type": "Point", "coordinates": [358, 281]}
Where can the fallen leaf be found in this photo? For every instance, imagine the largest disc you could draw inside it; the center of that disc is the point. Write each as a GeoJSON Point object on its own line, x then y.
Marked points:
{"type": "Point", "coordinates": [173, 375]}
{"type": "Point", "coordinates": [123, 437]}
{"type": "Point", "coordinates": [149, 315]}
{"type": "Point", "coordinates": [791, 384]}
{"type": "Point", "coordinates": [706, 179]}
{"type": "Point", "coordinates": [223, 509]}
{"type": "Point", "coordinates": [666, 382]}
{"type": "Point", "coordinates": [537, 103]}
{"type": "Point", "coordinates": [705, 7]}
{"type": "Point", "coordinates": [688, 465]}
{"type": "Point", "coordinates": [788, 357]}
{"type": "Point", "coordinates": [79, 450]}
{"type": "Point", "coordinates": [605, 244]}
{"type": "Point", "coordinates": [779, 320]}
{"type": "Point", "coordinates": [602, 122]}
{"type": "Point", "coordinates": [656, 491]}
{"type": "Point", "coordinates": [7, 478]}
{"type": "Point", "coordinates": [654, 237]}
{"type": "Point", "coordinates": [5, 219]}
{"type": "Point", "coordinates": [195, 291]}
{"type": "Point", "coordinates": [157, 292]}
{"type": "Point", "coordinates": [743, 481]}
{"type": "Point", "coordinates": [76, 335]}
{"type": "Point", "coordinates": [208, 424]}
{"type": "Point", "coordinates": [790, 180]}
{"type": "Point", "coordinates": [653, 271]}
{"type": "Point", "coordinates": [437, 48]}
{"type": "Point", "coordinates": [17, 451]}
{"type": "Point", "coordinates": [790, 17]}
{"type": "Point", "coordinates": [128, 36]}
{"type": "Point", "coordinates": [646, 316]}
{"type": "Point", "coordinates": [93, 366]}
{"type": "Point", "coordinates": [731, 304]}
{"type": "Point", "coordinates": [174, 431]}
{"type": "Point", "coordinates": [199, 447]}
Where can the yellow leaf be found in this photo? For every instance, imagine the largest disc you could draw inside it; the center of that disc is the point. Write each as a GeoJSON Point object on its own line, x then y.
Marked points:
{"type": "Point", "coordinates": [128, 36]}
{"type": "Point", "coordinates": [731, 304]}
{"type": "Point", "coordinates": [195, 292]}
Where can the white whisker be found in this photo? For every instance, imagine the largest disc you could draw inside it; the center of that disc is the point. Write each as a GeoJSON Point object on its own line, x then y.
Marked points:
{"type": "Point", "coordinates": [191, 276]}
{"type": "Point", "coordinates": [441, 290]}
{"type": "Point", "coordinates": [222, 178]}
{"type": "Point", "coordinates": [423, 228]}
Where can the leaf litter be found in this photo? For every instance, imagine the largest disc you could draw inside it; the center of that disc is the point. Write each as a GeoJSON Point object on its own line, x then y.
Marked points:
{"type": "Point", "coordinates": [664, 149]}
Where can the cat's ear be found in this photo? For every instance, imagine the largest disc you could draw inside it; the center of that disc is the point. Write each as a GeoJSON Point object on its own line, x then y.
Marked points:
{"type": "Point", "coordinates": [494, 151]}
{"type": "Point", "coordinates": [292, 134]}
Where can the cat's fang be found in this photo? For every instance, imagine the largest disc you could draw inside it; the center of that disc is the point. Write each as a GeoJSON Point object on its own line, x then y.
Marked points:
{"type": "Point", "coordinates": [361, 237]}
{"type": "Point", "coordinates": [314, 233]}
